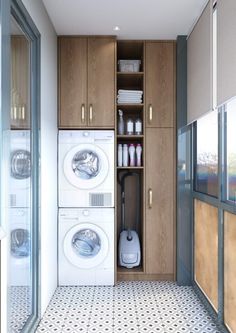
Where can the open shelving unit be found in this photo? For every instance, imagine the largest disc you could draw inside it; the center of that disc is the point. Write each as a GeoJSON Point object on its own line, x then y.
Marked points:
{"type": "Point", "coordinates": [131, 50]}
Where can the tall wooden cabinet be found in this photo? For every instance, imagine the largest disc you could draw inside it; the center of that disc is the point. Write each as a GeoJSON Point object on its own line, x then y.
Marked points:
{"type": "Point", "coordinates": [160, 202]}
{"type": "Point", "coordinates": [157, 111]}
{"type": "Point", "coordinates": [160, 159]}
{"type": "Point", "coordinates": [87, 82]}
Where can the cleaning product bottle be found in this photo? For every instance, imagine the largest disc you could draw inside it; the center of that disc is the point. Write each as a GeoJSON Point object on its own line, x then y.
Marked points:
{"type": "Point", "coordinates": [121, 125]}
{"type": "Point", "coordinates": [132, 154]}
{"type": "Point", "coordinates": [139, 154]}
{"type": "Point", "coordinates": [125, 155]}
{"type": "Point", "coordinates": [130, 127]}
{"type": "Point", "coordinates": [120, 155]}
{"type": "Point", "coordinates": [138, 126]}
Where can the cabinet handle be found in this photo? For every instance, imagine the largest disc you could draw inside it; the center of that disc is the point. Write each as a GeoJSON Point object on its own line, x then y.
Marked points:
{"type": "Point", "coordinates": [82, 113]}
{"type": "Point", "coordinates": [90, 113]}
{"type": "Point", "coordinates": [150, 113]}
{"type": "Point", "coordinates": [150, 198]}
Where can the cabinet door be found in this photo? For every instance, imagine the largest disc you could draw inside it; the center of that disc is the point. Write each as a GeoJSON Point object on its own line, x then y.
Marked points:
{"type": "Point", "coordinates": [160, 84]}
{"type": "Point", "coordinates": [72, 82]}
{"type": "Point", "coordinates": [20, 104]}
{"type": "Point", "coordinates": [101, 82]}
{"type": "Point", "coordinates": [160, 214]}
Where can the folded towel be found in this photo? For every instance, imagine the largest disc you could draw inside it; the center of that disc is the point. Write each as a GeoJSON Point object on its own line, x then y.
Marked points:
{"type": "Point", "coordinates": [129, 102]}
{"type": "Point", "coordinates": [129, 99]}
{"type": "Point", "coordinates": [130, 91]}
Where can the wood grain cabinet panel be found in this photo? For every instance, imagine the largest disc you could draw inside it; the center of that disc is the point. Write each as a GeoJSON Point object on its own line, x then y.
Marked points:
{"type": "Point", "coordinates": [206, 249]}
{"type": "Point", "coordinates": [86, 82]}
{"type": "Point", "coordinates": [20, 85]}
{"type": "Point", "coordinates": [72, 81]}
{"type": "Point", "coordinates": [230, 271]}
{"type": "Point", "coordinates": [101, 81]}
{"type": "Point", "coordinates": [160, 212]}
{"type": "Point", "coordinates": [160, 84]}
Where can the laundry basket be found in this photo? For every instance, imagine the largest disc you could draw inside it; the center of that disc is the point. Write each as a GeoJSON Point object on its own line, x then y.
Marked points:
{"type": "Point", "coordinates": [129, 65]}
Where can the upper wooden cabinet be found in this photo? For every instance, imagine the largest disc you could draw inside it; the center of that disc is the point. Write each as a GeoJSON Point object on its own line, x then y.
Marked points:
{"type": "Point", "coordinates": [86, 82]}
{"type": "Point", "coordinates": [160, 84]}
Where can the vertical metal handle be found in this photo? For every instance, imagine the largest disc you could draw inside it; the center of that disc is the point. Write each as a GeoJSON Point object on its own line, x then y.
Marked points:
{"type": "Point", "coordinates": [150, 113]}
{"type": "Point", "coordinates": [150, 198]}
{"type": "Point", "coordinates": [90, 113]}
{"type": "Point", "coordinates": [82, 113]}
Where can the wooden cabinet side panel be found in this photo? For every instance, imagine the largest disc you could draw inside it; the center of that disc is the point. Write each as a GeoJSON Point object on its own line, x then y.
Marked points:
{"type": "Point", "coordinates": [160, 83]}
{"type": "Point", "coordinates": [160, 218]}
{"type": "Point", "coordinates": [206, 249]}
{"type": "Point", "coordinates": [101, 81]}
{"type": "Point", "coordinates": [230, 271]}
{"type": "Point", "coordinates": [72, 81]}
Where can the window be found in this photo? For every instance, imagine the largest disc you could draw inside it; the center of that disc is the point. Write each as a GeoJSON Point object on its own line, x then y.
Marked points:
{"type": "Point", "coordinates": [231, 150]}
{"type": "Point", "coordinates": [206, 172]}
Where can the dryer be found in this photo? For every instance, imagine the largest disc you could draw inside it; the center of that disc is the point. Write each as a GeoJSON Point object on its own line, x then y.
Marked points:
{"type": "Point", "coordinates": [86, 168]}
{"type": "Point", "coordinates": [20, 168]}
{"type": "Point", "coordinates": [20, 247]}
{"type": "Point", "coordinates": [86, 246]}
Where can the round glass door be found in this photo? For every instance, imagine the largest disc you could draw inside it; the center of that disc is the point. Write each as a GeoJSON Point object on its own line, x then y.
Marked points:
{"type": "Point", "coordinates": [86, 166]}
{"type": "Point", "coordinates": [86, 245]}
{"type": "Point", "coordinates": [20, 243]}
{"type": "Point", "coordinates": [20, 164]}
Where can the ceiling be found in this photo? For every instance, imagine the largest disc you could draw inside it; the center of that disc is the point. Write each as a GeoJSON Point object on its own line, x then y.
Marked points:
{"type": "Point", "coordinates": [137, 19]}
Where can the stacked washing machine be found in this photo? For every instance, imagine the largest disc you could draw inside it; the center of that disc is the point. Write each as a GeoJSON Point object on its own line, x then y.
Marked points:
{"type": "Point", "coordinates": [86, 207]}
{"type": "Point", "coordinates": [19, 215]}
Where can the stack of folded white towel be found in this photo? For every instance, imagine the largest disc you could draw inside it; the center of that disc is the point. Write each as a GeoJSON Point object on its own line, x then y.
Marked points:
{"type": "Point", "coordinates": [129, 96]}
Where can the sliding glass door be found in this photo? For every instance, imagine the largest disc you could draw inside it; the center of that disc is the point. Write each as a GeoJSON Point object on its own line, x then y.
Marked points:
{"type": "Point", "coordinates": [21, 173]}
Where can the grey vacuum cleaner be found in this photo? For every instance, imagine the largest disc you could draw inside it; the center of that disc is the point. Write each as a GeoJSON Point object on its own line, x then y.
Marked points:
{"type": "Point", "coordinates": [129, 244]}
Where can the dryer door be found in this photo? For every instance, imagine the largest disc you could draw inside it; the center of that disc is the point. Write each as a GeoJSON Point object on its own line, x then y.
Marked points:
{"type": "Point", "coordinates": [86, 166]}
{"type": "Point", "coordinates": [20, 245]}
{"type": "Point", "coordinates": [86, 245]}
{"type": "Point", "coordinates": [20, 164]}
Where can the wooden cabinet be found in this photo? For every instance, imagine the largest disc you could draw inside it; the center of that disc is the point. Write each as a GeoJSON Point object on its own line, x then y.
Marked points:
{"type": "Point", "coordinates": [160, 84]}
{"type": "Point", "coordinates": [160, 193]}
{"type": "Point", "coordinates": [86, 82]}
{"type": "Point", "coordinates": [20, 87]}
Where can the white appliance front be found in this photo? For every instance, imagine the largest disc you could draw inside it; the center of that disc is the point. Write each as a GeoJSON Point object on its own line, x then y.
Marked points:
{"type": "Point", "coordinates": [20, 247]}
{"type": "Point", "coordinates": [20, 168]}
{"type": "Point", "coordinates": [86, 168]}
{"type": "Point", "coordinates": [86, 246]}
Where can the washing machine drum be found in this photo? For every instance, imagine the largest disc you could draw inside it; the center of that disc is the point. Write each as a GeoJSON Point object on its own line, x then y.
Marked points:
{"type": "Point", "coordinates": [86, 246]}
{"type": "Point", "coordinates": [86, 166]}
{"type": "Point", "coordinates": [20, 243]}
{"type": "Point", "coordinates": [20, 164]}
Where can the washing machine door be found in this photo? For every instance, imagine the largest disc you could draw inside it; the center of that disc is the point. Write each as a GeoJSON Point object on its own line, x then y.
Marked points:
{"type": "Point", "coordinates": [20, 245]}
{"type": "Point", "coordinates": [86, 245]}
{"type": "Point", "coordinates": [86, 166]}
{"type": "Point", "coordinates": [20, 164]}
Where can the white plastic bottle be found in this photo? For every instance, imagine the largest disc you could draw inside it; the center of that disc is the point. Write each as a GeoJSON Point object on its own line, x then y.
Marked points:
{"type": "Point", "coordinates": [131, 154]}
{"type": "Point", "coordinates": [120, 155]}
{"type": "Point", "coordinates": [121, 124]}
{"type": "Point", "coordinates": [125, 155]}
{"type": "Point", "coordinates": [139, 154]}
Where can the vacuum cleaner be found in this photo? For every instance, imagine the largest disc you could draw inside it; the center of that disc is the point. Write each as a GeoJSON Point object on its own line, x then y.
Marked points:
{"type": "Point", "coordinates": [129, 245]}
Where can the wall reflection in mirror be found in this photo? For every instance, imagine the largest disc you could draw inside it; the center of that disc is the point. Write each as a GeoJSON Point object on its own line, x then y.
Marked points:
{"type": "Point", "coordinates": [20, 212]}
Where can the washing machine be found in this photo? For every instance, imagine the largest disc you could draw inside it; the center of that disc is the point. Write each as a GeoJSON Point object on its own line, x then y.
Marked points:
{"type": "Point", "coordinates": [20, 168]}
{"type": "Point", "coordinates": [86, 168]}
{"type": "Point", "coordinates": [86, 246]}
{"type": "Point", "coordinates": [20, 247]}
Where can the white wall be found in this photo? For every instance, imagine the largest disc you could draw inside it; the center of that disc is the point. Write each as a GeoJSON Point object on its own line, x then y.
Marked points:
{"type": "Point", "coordinates": [48, 149]}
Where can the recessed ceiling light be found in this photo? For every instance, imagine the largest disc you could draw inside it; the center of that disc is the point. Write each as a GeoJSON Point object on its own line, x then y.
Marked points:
{"type": "Point", "coordinates": [116, 28]}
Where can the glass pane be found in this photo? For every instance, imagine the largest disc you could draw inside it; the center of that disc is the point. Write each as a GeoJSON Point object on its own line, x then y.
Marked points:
{"type": "Point", "coordinates": [85, 164]}
{"type": "Point", "coordinates": [20, 212]}
{"type": "Point", "coordinates": [206, 177]}
{"type": "Point", "coordinates": [231, 150]}
{"type": "Point", "coordinates": [86, 243]}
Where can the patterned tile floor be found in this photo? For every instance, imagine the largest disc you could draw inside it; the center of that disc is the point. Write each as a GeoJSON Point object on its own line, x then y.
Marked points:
{"type": "Point", "coordinates": [139, 307]}
{"type": "Point", "coordinates": [20, 307]}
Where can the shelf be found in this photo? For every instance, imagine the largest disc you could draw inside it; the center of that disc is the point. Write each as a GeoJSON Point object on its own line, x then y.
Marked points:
{"type": "Point", "coordinates": [131, 137]}
{"type": "Point", "coordinates": [124, 270]}
{"type": "Point", "coordinates": [130, 106]}
{"type": "Point", "coordinates": [130, 73]}
{"type": "Point", "coordinates": [130, 168]}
